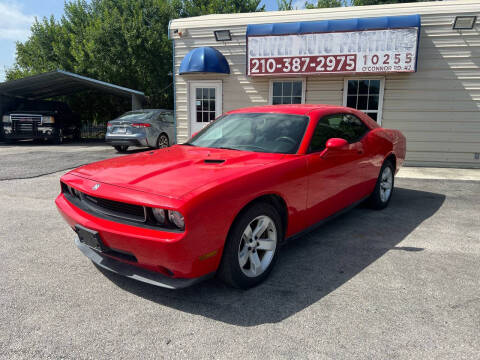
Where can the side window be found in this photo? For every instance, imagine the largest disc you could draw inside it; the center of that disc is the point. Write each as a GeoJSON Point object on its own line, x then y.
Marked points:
{"type": "Point", "coordinates": [352, 127]}
{"type": "Point", "coordinates": [327, 128]}
{"type": "Point", "coordinates": [344, 126]}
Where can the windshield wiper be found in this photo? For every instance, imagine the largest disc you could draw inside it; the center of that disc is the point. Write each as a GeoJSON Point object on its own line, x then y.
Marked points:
{"type": "Point", "coordinates": [188, 144]}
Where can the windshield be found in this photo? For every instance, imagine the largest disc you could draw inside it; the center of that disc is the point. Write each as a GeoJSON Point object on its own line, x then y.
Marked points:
{"type": "Point", "coordinates": [260, 132]}
{"type": "Point", "coordinates": [43, 106]}
{"type": "Point", "coordinates": [136, 115]}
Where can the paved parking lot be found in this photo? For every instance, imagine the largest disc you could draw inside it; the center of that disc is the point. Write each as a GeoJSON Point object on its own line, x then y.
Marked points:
{"type": "Point", "coordinates": [399, 283]}
{"type": "Point", "coordinates": [27, 159]}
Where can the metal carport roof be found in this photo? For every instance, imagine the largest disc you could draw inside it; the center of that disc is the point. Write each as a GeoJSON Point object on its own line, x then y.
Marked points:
{"type": "Point", "coordinates": [59, 82]}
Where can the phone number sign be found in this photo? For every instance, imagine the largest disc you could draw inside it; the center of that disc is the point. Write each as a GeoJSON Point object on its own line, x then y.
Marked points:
{"type": "Point", "coordinates": [370, 51]}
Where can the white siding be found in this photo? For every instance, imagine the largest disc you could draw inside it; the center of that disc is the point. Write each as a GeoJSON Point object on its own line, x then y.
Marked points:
{"type": "Point", "coordinates": [437, 108]}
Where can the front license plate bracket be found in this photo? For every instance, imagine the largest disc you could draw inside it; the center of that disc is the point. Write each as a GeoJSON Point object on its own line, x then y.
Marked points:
{"type": "Point", "coordinates": [89, 237]}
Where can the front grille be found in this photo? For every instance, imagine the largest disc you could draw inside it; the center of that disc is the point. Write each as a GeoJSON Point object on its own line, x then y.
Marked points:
{"type": "Point", "coordinates": [26, 117]}
{"type": "Point", "coordinates": [22, 127]}
{"type": "Point", "coordinates": [118, 211]}
{"type": "Point", "coordinates": [96, 205]}
{"type": "Point", "coordinates": [117, 207]}
{"type": "Point", "coordinates": [25, 124]}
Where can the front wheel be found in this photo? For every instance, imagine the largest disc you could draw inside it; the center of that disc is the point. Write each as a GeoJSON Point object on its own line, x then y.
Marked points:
{"type": "Point", "coordinates": [77, 135]}
{"type": "Point", "coordinates": [121, 148]}
{"type": "Point", "coordinates": [252, 246]}
{"type": "Point", "coordinates": [383, 189]}
{"type": "Point", "coordinates": [58, 140]}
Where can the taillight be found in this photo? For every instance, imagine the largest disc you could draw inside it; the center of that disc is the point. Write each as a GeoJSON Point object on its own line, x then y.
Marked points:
{"type": "Point", "coordinates": [109, 124]}
{"type": "Point", "coordinates": [141, 125]}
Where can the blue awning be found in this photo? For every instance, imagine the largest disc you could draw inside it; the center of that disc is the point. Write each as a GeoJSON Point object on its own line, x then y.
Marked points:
{"type": "Point", "coordinates": [358, 24]}
{"type": "Point", "coordinates": [204, 60]}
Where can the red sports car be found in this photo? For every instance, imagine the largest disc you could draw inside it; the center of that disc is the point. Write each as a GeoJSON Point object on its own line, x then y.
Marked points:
{"type": "Point", "coordinates": [223, 202]}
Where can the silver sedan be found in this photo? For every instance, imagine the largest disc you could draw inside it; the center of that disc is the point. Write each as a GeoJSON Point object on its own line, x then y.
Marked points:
{"type": "Point", "coordinates": [153, 128]}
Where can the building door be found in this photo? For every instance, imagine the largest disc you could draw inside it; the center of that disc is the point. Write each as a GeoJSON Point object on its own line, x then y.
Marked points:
{"type": "Point", "coordinates": [205, 103]}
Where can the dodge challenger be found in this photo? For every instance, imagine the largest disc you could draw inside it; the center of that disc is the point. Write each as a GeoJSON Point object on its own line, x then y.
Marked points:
{"type": "Point", "coordinates": [223, 202]}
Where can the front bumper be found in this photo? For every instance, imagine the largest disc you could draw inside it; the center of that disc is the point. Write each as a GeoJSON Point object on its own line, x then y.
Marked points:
{"type": "Point", "coordinates": [42, 136]}
{"type": "Point", "coordinates": [34, 131]}
{"type": "Point", "coordinates": [136, 273]}
{"type": "Point", "coordinates": [175, 255]}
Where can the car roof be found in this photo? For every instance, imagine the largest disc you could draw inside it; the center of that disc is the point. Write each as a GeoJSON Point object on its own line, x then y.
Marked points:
{"type": "Point", "coordinates": [297, 109]}
{"type": "Point", "coordinates": [146, 110]}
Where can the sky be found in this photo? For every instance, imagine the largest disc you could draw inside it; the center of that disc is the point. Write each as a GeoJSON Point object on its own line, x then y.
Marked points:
{"type": "Point", "coordinates": [18, 15]}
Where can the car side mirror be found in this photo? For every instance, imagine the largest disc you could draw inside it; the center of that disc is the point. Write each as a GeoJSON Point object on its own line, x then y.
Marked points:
{"type": "Point", "coordinates": [194, 134]}
{"type": "Point", "coordinates": [333, 144]}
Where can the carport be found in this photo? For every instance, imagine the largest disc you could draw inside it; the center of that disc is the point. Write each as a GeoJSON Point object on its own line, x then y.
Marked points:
{"type": "Point", "coordinates": [58, 83]}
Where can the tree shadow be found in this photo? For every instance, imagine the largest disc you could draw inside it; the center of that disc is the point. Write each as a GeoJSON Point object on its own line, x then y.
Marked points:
{"type": "Point", "coordinates": [309, 267]}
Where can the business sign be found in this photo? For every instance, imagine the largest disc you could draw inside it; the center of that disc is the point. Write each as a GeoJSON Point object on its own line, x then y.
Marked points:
{"type": "Point", "coordinates": [368, 51]}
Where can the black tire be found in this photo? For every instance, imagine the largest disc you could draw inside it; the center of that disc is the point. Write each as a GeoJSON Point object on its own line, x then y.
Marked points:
{"type": "Point", "coordinates": [77, 135]}
{"type": "Point", "coordinates": [121, 148]}
{"type": "Point", "coordinates": [376, 200]}
{"type": "Point", "coordinates": [162, 141]}
{"type": "Point", "coordinates": [58, 140]}
{"type": "Point", "coordinates": [230, 270]}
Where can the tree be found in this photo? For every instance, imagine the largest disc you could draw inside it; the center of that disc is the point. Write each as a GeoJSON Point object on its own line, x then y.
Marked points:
{"type": "Point", "coordinates": [203, 7]}
{"type": "Point", "coordinates": [285, 5]}
{"type": "Point", "coordinates": [326, 4]}
{"type": "Point", "coordinates": [124, 42]}
{"type": "Point", "coordinates": [379, 2]}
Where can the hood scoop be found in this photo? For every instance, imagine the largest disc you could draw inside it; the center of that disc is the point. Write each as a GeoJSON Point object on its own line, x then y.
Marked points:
{"type": "Point", "coordinates": [213, 161]}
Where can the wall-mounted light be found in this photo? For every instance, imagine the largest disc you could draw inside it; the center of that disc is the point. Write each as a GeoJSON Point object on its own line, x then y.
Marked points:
{"type": "Point", "coordinates": [464, 22]}
{"type": "Point", "coordinates": [222, 35]}
{"type": "Point", "coordinates": [180, 32]}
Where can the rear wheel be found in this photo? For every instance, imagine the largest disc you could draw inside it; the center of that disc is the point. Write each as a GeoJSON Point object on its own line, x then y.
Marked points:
{"type": "Point", "coordinates": [162, 141]}
{"type": "Point", "coordinates": [384, 188]}
{"type": "Point", "coordinates": [251, 249]}
{"type": "Point", "coordinates": [121, 148]}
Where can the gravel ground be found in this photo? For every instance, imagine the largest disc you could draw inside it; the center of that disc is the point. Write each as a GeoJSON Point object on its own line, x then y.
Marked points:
{"type": "Point", "coordinates": [399, 283]}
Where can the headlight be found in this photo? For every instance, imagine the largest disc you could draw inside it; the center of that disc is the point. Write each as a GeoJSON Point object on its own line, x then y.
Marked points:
{"type": "Point", "coordinates": [6, 118]}
{"type": "Point", "coordinates": [159, 215]}
{"type": "Point", "coordinates": [48, 119]}
{"type": "Point", "coordinates": [176, 218]}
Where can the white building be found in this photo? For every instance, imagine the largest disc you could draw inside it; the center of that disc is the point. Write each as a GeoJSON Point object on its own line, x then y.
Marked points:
{"type": "Point", "coordinates": [413, 67]}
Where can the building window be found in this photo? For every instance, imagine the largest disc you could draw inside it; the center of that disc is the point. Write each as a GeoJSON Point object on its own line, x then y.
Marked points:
{"type": "Point", "coordinates": [205, 102]}
{"type": "Point", "coordinates": [287, 92]}
{"type": "Point", "coordinates": [365, 95]}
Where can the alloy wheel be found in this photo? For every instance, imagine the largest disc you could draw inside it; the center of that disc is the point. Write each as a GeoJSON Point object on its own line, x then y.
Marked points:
{"type": "Point", "coordinates": [257, 246]}
{"type": "Point", "coordinates": [162, 142]}
{"type": "Point", "coordinates": [386, 184]}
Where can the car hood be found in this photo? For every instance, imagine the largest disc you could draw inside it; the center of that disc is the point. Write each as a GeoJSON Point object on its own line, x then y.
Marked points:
{"type": "Point", "coordinates": [32, 112]}
{"type": "Point", "coordinates": [175, 171]}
